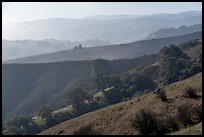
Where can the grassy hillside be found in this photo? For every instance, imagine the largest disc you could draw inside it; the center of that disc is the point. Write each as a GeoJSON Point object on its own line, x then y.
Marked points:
{"type": "Point", "coordinates": [116, 119]}
{"type": "Point", "coordinates": [193, 130]}
{"type": "Point", "coordinates": [110, 52]}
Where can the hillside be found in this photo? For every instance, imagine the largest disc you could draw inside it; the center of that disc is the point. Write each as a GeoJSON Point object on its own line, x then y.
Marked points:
{"type": "Point", "coordinates": [193, 130]}
{"type": "Point", "coordinates": [22, 48]}
{"type": "Point", "coordinates": [169, 32]}
{"type": "Point", "coordinates": [34, 85]}
{"type": "Point", "coordinates": [116, 119]}
{"type": "Point", "coordinates": [110, 52]}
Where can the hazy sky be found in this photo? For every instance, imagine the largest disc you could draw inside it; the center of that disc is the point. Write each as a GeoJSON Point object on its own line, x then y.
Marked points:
{"type": "Point", "coordinates": [24, 11]}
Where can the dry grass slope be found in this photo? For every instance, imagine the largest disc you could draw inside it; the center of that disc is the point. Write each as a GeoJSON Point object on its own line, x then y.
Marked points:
{"type": "Point", "coordinates": [193, 130]}
{"type": "Point", "coordinates": [116, 119]}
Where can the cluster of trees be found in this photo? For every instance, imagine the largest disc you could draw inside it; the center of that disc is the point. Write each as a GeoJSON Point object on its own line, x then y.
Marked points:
{"type": "Point", "coordinates": [78, 47]}
{"type": "Point", "coordinates": [115, 89]}
{"type": "Point", "coordinates": [21, 126]}
{"type": "Point", "coordinates": [177, 65]}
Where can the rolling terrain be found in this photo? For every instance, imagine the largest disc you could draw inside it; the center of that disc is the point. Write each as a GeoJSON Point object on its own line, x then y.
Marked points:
{"type": "Point", "coordinates": [34, 85]}
{"type": "Point", "coordinates": [99, 69]}
{"type": "Point", "coordinates": [116, 119]}
{"type": "Point", "coordinates": [110, 52]}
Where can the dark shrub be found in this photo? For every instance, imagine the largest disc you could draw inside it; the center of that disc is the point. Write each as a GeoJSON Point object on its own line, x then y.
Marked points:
{"type": "Point", "coordinates": [145, 122]}
{"type": "Point", "coordinates": [185, 115]}
{"type": "Point", "coordinates": [198, 113]}
{"type": "Point", "coordinates": [86, 130]}
{"type": "Point", "coordinates": [190, 92]}
{"type": "Point", "coordinates": [169, 123]}
{"type": "Point", "coordinates": [162, 95]}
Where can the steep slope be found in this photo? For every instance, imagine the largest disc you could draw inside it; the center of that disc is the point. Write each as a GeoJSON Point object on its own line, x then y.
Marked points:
{"type": "Point", "coordinates": [34, 85]}
{"type": "Point", "coordinates": [129, 50]}
{"type": "Point", "coordinates": [116, 119]}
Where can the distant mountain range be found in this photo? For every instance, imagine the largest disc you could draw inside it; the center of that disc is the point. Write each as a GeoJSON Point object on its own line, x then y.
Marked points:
{"type": "Point", "coordinates": [157, 16]}
{"type": "Point", "coordinates": [110, 52]}
{"type": "Point", "coordinates": [115, 28]}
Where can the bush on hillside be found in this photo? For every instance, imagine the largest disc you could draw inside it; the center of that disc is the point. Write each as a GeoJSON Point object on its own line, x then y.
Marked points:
{"type": "Point", "coordinates": [198, 113]}
{"type": "Point", "coordinates": [162, 95]}
{"type": "Point", "coordinates": [167, 123]}
{"type": "Point", "coordinates": [185, 115]}
{"type": "Point", "coordinates": [190, 92]}
{"type": "Point", "coordinates": [86, 130]}
{"type": "Point", "coordinates": [145, 122]}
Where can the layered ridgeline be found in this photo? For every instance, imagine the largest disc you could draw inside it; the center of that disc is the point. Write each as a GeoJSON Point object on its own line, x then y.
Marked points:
{"type": "Point", "coordinates": [110, 52]}
{"type": "Point", "coordinates": [116, 29]}
{"type": "Point", "coordinates": [169, 32]}
{"type": "Point", "coordinates": [34, 85]}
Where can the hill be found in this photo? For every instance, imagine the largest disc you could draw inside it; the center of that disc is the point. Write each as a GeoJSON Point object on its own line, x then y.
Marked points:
{"type": "Point", "coordinates": [34, 85]}
{"type": "Point", "coordinates": [169, 32]}
{"type": "Point", "coordinates": [110, 52]}
{"type": "Point", "coordinates": [22, 48]}
{"type": "Point", "coordinates": [116, 119]}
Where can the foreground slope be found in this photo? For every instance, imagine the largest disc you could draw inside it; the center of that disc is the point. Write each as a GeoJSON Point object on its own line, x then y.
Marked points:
{"type": "Point", "coordinates": [116, 119]}
{"type": "Point", "coordinates": [110, 52]}
{"type": "Point", "coordinates": [193, 130]}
